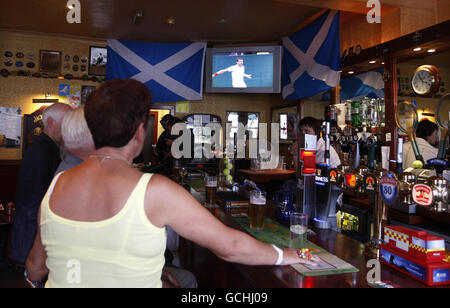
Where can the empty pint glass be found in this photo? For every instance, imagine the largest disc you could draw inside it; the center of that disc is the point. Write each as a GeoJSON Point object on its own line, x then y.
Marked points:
{"type": "Point", "coordinates": [210, 187]}
{"type": "Point", "coordinates": [257, 209]}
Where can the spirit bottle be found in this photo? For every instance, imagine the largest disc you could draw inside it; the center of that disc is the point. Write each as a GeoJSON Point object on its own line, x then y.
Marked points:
{"type": "Point", "coordinates": [363, 112]}
{"type": "Point", "coordinates": [381, 112]}
{"type": "Point", "coordinates": [356, 123]}
{"type": "Point", "coordinates": [348, 114]}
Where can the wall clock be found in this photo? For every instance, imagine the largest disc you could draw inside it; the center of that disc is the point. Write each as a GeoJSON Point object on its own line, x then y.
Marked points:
{"type": "Point", "coordinates": [426, 80]}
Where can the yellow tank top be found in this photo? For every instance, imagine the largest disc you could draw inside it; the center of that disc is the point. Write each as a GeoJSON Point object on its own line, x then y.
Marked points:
{"type": "Point", "coordinates": [126, 250]}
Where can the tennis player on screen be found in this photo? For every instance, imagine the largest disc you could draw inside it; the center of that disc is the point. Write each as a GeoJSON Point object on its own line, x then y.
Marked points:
{"type": "Point", "coordinates": [237, 74]}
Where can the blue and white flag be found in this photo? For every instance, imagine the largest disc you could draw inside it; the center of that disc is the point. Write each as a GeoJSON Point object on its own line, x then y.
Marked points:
{"type": "Point", "coordinates": [368, 84]}
{"type": "Point", "coordinates": [312, 60]}
{"type": "Point", "coordinates": [172, 71]}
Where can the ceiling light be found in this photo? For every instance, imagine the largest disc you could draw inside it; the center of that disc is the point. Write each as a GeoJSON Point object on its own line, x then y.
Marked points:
{"type": "Point", "coordinates": [417, 49]}
{"type": "Point", "coordinates": [170, 21]}
{"type": "Point", "coordinates": [382, 63]}
{"type": "Point", "coordinates": [46, 100]}
{"type": "Point", "coordinates": [372, 62]}
{"type": "Point", "coordinates": [431, 50]}
{"type": "Point", "coordinates": [351, 72]}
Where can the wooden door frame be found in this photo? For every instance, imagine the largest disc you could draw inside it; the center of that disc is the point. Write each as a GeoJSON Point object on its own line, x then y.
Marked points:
{"type": "Point", "coordinates": [155, 127]}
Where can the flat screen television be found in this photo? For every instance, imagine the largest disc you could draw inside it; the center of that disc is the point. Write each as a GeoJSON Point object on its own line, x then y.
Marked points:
{"type": "Point", "coordinates": [255, 69]}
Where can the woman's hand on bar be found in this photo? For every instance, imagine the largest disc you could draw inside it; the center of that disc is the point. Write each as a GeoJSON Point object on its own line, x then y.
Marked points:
{"type": "Point", "coordinates": [291, 257]}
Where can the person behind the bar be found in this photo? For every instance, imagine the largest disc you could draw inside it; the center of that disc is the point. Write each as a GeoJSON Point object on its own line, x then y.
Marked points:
{"type": "Point", "coordinates": [312, 126]}
{"type": "Point", "coordinates": [427, 136]}
{"type": "Point", "coordinates": [102, 223]}
{"type": "Point", "coordinates": [77, 139]}
{"type": "Point", "coordinates": [166, 139]}
{"type": "Point", "coordinates": [237, 74]}
{"type": "Point", "coordinates": [36, 172]}
{"type": "Point", "coordinates": [163, 146]}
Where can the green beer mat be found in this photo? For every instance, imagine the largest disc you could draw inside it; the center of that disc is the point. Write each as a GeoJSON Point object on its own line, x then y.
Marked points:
{"type": "Point", "coordinates": [275, 233]}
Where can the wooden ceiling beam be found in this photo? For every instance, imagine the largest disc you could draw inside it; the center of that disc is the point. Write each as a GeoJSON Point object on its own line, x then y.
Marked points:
{"type": "Point", "coordinates": [360, 6]}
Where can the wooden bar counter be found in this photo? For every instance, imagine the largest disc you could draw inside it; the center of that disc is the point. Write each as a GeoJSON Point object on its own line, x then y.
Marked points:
{"type": "Point", "coordinates": [212, 272]}
{"type": "Point", "coordinates": [264, 176]}
{"type": "Point", "coordinates": [267, 180]}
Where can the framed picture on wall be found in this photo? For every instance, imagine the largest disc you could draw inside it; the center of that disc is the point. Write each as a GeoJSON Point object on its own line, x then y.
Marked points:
{"type": "Point", "coordinates": [50, 61]}
{"type": "Point", "coordinates": [97, 60]}
{"type": "Point", "coordinates": [86, 92]}
{"type": "Point", "coordinates": [288, 124]}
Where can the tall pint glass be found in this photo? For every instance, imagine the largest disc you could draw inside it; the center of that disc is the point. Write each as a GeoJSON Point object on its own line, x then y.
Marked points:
{"type": "Point", "coordinates": [257, 209]}
{"type": "Point", "coordinates": [211, 188]}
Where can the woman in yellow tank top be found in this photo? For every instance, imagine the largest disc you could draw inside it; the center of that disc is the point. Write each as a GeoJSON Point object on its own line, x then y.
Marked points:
{"type": "Point", "coordinates": [102, 223]}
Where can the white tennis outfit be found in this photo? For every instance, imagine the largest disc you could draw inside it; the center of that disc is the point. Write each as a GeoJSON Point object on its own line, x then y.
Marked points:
{"type": "Point", "coordinates": [427, 150]}
{"type": "Point", "coordinates": [237, 76]}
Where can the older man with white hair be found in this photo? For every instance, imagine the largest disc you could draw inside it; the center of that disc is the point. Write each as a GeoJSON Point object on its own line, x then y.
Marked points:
{"type": "Point", "coordinates": [36, 173]}
{"type": "Point", "coordinates": [77, 138]}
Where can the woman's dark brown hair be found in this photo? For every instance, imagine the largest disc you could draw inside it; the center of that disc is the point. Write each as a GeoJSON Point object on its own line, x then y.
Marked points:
{"type": "Point", "coordinates": [114, 111]}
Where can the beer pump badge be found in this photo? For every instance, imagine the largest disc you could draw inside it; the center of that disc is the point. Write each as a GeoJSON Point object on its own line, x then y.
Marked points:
{"type": "Point", "coordinates": [389, 189]}
{"type": "Point", "coordinates": [333, 176]}
{"type": "Point", "coordinates": [422, 194]}
{"type": "Point", "coordinates": [370, 183]}
{"type": "Point", "coordinates": [350, 180]}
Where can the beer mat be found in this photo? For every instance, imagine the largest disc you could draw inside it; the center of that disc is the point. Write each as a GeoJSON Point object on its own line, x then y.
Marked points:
{"type": "Point", "coordinates": [329, 265]}
{"type": "Point", "coordinates": [275, 233]}
{"type": "Point", "coordinates": [321, 265]}
{"type": "Point", "coordinates": [196, 184]}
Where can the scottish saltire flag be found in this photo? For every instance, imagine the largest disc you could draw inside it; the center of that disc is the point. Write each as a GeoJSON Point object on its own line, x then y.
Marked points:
{"type": "Point", "coordinates": [312, 60]}
{"type": "Point", "coordinates": [368, 84]}
{"type": "Point", "coordinates": [172, 71]}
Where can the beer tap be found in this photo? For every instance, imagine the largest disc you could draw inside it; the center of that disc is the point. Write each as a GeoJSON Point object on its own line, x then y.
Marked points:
{"type": "Point", "coordinates": [327, 131]}
{"type": "Point", "coordinates": [371, 145]}
{"type": "Point", "coordinates": [339, 175]}
{"type": "Point", "coordinates": [407, 181]}
{"type": "Point", "coordinates": [380, 211]}
{"type": "Point", "coordinates": [399, 163]}
{"type": "Point", "coordinates": [440, 191]}
{"type": "Point", "coordinates": [327, 194]}
{"type": "Point", "coordinates": [361, 172]}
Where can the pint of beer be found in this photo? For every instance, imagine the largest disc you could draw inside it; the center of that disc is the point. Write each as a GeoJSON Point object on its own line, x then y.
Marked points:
{"type": "Point", "coordinates": [257, 209]}
{"type": "Point", "coordinates": [176, 171]}
{"type": "Point", "coordinates": [210, 187]}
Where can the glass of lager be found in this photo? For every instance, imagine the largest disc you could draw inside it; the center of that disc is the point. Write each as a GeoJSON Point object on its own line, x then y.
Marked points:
{"type": "Point", "coordinates": [176, 171]}
{"type": "Point", "coordinates": [298, 228]}
{"type": "Point", "coordinates": [210, 187]}
{"type": "Point", "coordinates": [257, 209]}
